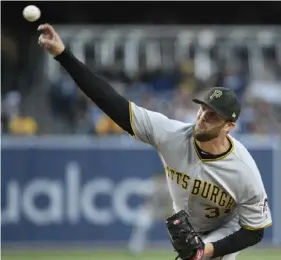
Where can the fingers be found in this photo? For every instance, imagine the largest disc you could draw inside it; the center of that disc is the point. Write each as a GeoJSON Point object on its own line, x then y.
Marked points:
{"type": "Point", "coordinates": [44, 41]}
{"type": "Point", "coordinates": [50, 40]}
{"type": "Point", "coordinates": [47, 28]}
{"type": "Point", "coordinates": [48, 33]}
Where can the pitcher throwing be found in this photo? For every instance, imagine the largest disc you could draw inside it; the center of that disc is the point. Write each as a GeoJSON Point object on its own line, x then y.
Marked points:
{"type": "Point", "coordinates": [219, 199]}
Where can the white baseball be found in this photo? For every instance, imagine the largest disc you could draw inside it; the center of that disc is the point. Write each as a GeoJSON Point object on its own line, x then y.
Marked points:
{"type": "Point", "coordinates": [31, 13]}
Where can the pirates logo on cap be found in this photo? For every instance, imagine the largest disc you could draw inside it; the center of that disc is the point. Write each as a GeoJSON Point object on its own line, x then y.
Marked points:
{"type": "Point", "coordinates": [217, 94]}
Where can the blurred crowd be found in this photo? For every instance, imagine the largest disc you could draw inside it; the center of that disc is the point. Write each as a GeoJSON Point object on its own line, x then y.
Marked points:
{"type": "Point", "coordinates": [170, 93]}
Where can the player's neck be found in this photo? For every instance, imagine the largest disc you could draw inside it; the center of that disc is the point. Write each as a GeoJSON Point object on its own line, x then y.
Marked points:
{"type": "Point", "coordinates": [216, 146]}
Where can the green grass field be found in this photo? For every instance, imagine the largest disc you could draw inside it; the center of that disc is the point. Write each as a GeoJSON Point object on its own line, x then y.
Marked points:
{"type": "Point", "coordinates": [256, 254]}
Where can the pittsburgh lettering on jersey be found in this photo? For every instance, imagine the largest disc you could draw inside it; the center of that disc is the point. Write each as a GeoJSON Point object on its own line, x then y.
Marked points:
{"type": "Point", "coordinates": [204, 189]}
{"type": "Point", "coordinates": [212, 193]}
{"type": "Point", "coordinates": [182, 179]}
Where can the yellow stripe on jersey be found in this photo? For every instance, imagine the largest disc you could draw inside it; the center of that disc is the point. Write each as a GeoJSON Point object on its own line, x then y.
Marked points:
{"type": "Point", "coordinates": [255, 228]}
{"type": "Point", "coordinates": [131, 120]}
{"type": "Point", "coordinates": [216, 159]}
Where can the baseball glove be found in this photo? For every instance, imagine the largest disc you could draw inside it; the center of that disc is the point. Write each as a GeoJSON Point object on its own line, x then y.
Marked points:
{"type": "Point", "coordinates": [186, 241]}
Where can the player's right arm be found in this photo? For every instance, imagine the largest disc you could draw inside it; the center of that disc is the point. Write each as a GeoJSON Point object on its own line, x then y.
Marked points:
{"type": "Point", "coordinates": [147, 126]}
{"type": "Point", "coordinates": [97, 89]}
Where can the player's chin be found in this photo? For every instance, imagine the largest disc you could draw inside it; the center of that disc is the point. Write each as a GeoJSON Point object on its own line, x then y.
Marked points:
{"type": "Point", "coordinates": [202, 136]}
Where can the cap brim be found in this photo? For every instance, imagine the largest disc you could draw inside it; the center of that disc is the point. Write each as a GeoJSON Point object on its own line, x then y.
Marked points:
{"type": "Point", "coordinates": [198, 101]}
{"type": "Point", "coordinates": [201, 102]}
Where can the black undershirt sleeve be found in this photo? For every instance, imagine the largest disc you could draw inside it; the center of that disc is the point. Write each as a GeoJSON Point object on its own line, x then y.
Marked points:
{"type": "Point", "coordinates": [98, 90]}
{"type": "Point", "coordinates": [237, 241]}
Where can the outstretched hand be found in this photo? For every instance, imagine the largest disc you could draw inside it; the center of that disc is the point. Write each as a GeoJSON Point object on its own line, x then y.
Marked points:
{"type": "Point", "coordinates": [50, 40]}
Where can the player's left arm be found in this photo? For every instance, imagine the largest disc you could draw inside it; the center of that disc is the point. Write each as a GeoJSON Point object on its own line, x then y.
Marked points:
{"type": "Point", "coordinates": [239, 240]}
{"type": "Point", "coordinates": [254, 215]}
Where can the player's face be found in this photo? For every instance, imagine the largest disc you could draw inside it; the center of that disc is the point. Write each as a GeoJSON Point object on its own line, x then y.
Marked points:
{"type": "Point", "coordinates": [208, 125]}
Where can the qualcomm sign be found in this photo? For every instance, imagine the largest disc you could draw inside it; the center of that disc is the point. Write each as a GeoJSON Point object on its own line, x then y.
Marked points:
{"type": "Point", "coordinates": [69, 200]}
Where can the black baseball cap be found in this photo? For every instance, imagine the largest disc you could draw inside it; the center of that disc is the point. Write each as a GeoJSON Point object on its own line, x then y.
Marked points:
{"type": "Point", "coordinates": [223, 101]}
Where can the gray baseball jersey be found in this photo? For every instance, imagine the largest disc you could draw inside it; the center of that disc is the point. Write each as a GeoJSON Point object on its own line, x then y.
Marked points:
{"type": "Point", "coordinates": [212, 192]}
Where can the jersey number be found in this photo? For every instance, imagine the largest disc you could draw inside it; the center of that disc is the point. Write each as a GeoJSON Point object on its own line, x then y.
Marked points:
{"type": "Point", "coordinates": [212, 212]}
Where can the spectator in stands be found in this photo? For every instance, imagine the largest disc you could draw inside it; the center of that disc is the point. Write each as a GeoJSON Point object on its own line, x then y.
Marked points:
{"type": "Point", "coordinates": [22, 125]}
{"type": "Point", "coordinates": [236, 80]}
{"type": "Point", "coordinates": [105, 126]}
{"type": "Point", "coordinates": [188, 82]}
{"type": "Point", "coordinates": [10, 109]}
{"type": "Point", "coordinates": [162, 80]}
{"type": "Point", "coordinates": [96, 122]}
{"type": "Point", "coordinates": [63, 97]}
{"type": "Point", "coordinates": [156, 207]}
{"type": "Point", "coordinates": [81, 107]}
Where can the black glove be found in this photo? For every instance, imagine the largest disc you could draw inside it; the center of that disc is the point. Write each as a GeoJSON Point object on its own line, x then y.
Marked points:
{"type": "Point", "coordinates": [186, 241]}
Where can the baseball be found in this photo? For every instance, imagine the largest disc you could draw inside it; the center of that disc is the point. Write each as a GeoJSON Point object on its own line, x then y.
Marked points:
{"type": "Point", "coordinates": [31, 13]}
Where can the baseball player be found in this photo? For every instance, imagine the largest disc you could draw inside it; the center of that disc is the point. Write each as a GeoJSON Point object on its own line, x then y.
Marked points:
{"type": "Point", "coordinates": [219, 199]}
{"type": "Point", "coordinates": [156, 207]}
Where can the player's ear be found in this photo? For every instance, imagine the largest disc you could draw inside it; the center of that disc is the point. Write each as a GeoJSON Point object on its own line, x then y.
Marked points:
{"type": "Point", "coordinates": [229, 126]}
